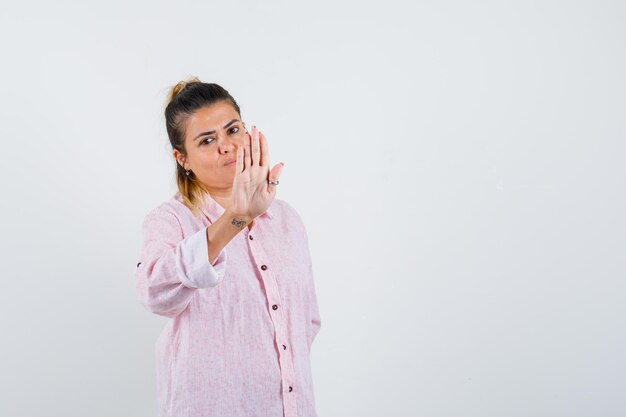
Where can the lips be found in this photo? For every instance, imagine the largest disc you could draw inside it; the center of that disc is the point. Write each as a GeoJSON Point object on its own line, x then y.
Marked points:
{"type": "Point", "coordinates": [232, 161]}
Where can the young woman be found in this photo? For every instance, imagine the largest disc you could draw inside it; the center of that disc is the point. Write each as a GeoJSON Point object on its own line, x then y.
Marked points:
{"type": "Point", "coordinates": [230, 265]}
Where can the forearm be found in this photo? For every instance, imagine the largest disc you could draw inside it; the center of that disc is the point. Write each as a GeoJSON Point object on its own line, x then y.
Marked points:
{"type": "Point", "coordinates": [170, 269]}
{"type": "Point", "coordinates": [222, 231]}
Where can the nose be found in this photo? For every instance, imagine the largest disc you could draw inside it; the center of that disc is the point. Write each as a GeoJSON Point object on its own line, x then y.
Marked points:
{"type": "Point", "coordinates": [227, 145]}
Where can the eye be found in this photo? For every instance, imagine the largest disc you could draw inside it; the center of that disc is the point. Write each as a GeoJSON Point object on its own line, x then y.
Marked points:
{"type": "Point", "coordinates": [204, 142]}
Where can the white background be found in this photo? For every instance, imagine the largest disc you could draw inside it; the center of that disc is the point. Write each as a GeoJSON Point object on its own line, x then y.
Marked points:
{"type": "Point", "coordinates": [459, 167]}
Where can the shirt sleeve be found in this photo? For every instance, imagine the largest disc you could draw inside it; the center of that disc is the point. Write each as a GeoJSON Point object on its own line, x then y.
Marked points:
{"type": "Point", "coordinates": [314, 312]}
{"type": "Point", "coordinates": [316, 320]}
{"type": "Point", "coordinates": [315, 323]}
{"type": "Point", "coordinates": [171, 268]}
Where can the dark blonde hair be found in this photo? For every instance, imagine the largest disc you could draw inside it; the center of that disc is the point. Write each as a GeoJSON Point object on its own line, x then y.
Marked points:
{"type": "Point", "coordinates": [184, 99]}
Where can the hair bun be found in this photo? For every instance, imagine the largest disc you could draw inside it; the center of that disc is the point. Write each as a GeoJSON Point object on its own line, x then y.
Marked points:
{"type": "Point", "coordinates": [180, 86]}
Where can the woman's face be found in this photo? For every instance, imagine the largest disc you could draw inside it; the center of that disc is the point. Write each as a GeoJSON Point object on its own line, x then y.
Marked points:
{"type": "Point", "coordinates": [212, 137]}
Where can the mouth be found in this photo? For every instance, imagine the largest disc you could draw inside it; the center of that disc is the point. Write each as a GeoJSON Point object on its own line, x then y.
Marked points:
{"type": "Point", "coordinates": [231, 162]}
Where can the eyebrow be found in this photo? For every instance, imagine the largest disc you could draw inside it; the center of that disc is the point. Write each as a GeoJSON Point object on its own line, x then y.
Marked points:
{"type": "Point", "coordinates": [210, 132]}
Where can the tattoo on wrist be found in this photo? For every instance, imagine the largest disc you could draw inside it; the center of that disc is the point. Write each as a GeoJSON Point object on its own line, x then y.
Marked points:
{"type": "Point", "coordinates": [238, 223]}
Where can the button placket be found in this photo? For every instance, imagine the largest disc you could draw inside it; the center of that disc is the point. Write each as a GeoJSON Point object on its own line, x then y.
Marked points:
{"type": "Point", "coordinates": [280, 329]}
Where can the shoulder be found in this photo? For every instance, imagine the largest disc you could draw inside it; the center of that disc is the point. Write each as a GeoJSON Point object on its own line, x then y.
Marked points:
{"type": "Point", "coordinates": [284, 209]}
{"type": "Point", "coordinates": [172, 219]}
{"type": "Point", "coordinates": [287, 214]}
{"type": "Point", "coordinates": [171, 212]}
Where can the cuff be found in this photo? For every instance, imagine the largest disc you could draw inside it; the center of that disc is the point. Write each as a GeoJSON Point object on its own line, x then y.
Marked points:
{"type": "Point", "coordinates": [192, 262]}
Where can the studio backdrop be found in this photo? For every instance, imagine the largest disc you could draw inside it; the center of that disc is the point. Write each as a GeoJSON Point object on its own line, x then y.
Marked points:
{"type": "Point", "coordinates": [458, 166]}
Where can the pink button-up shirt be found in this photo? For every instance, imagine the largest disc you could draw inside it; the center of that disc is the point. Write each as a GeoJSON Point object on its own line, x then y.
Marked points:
{"type": "Point", "coordinates": [241, 329]}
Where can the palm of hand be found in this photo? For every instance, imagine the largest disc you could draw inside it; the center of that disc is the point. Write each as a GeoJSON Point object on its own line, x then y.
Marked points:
{"type": "Point", "coordinates": [252, 194]}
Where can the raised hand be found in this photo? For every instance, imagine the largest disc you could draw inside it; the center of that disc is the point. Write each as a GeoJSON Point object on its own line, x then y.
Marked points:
{"type": "Point", "coordinates": [252, 194]}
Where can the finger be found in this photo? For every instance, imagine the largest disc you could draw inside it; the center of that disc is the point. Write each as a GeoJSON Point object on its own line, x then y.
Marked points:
{"type": "Point", "coordinates": [239, 163]}
{"type": "Point", "coordinates": [274, 175]}
{"type": "Point", "coordinates": [265, 151]}
{"type": "Point", "coordinates": [256, 152]}
{"type": "Point", "coordinates": [246, 154]}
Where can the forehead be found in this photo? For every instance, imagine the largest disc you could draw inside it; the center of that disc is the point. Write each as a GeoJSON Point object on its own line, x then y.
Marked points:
{"type": "Point", "coordinates": [212, 117]}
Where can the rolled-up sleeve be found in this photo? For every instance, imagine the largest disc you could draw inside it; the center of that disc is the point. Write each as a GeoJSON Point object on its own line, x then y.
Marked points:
{"type": "Point", "coordinates": [192, 262]}
{"type": "Point", "coordinates": [170, 268]}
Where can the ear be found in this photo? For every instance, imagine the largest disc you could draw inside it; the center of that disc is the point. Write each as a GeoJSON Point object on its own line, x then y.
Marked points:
{"type": "Point", "coordinates": [179, 158]}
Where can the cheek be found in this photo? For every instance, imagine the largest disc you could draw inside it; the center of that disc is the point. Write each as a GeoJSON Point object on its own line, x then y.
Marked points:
{"type": "Point", "coordinates": [213, 163]}
{"type": "Point", "coordinates": [206, 159]}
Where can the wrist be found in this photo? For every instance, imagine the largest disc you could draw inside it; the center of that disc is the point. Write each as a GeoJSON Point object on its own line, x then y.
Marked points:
{"type": "Point", "coordinates": [232, 216]}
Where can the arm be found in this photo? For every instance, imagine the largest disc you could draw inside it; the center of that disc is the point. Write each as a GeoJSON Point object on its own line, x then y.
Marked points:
{"type": "Point", "coordinates": [223, 230]}
{"type": "Point", "coordinates": [315, 323]}
{"type": "Point", "coordinates": [171, 268]}
{"type": "Point", "coordinates": [316, 320]}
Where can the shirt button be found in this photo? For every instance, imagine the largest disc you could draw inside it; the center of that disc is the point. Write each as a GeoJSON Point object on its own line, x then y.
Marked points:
{"type": "Point", "coordinates": [284, 347]}
{"type": "Point", "coordinates": [250, 237]}
{"type": "Point", "coordinates": [263, 267]}
{"type": "Point", "coordinates": [290, 389]}
{"type": "Point", "coordinates": [274, 307]}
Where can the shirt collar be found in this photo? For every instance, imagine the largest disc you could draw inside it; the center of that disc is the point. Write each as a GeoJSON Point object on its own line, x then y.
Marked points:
{"type": "Point", "coordinates": [213, 210]}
